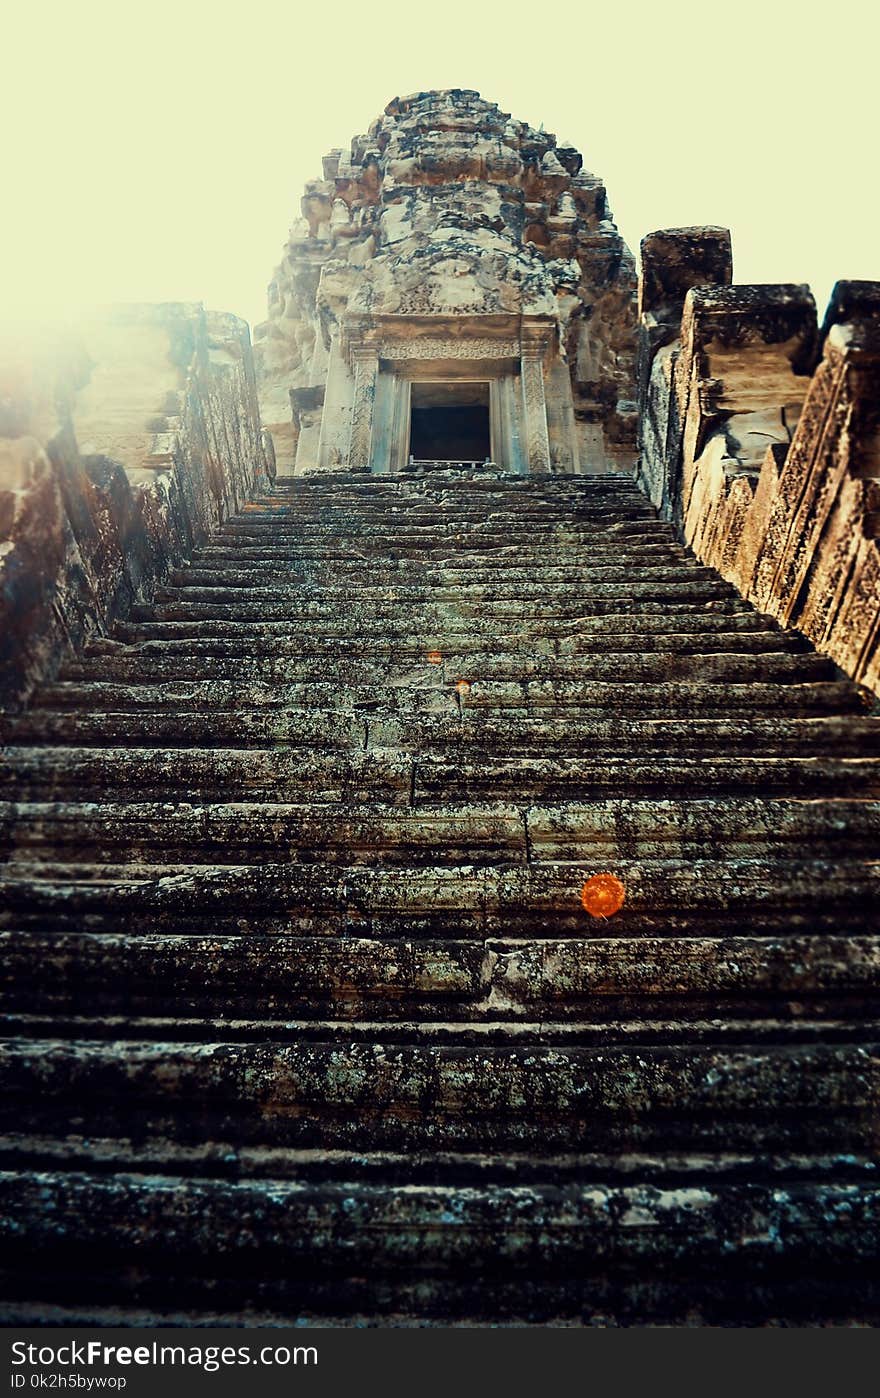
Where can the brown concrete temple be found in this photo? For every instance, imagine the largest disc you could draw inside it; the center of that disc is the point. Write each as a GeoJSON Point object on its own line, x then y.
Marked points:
{"type": "Point", "coordinates": [440, 786]}
{"type": "Point", "coordinates": [452, 246]}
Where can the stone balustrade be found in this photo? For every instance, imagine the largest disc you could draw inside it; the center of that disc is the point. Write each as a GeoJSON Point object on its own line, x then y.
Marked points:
{"type": "Point", "coordinates": [759, 438]}
{"type": "Point", "coordinates": [120, 450]}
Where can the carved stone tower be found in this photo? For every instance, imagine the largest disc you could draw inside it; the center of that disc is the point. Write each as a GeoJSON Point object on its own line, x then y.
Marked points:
{"type": "Point", "coordinates": [455, 290]}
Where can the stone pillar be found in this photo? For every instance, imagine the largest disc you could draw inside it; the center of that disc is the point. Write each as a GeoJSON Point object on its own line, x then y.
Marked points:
{"type": "Point", "coordinates": [510, 414]}
{"type": "Point", "coordinates": [537, 444]}
{"type": "Point", "coordinates": [560, 418]}
{"type": "Point", "coordinates": [366, 370]}
{"type": "Point", "coordinates": [400, 424]}
{"type": "Point", "coordinates": [336, 418]}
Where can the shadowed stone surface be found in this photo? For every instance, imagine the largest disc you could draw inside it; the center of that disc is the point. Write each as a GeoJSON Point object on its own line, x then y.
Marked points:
{"type": "Point", "coordinates": [304, 1016]}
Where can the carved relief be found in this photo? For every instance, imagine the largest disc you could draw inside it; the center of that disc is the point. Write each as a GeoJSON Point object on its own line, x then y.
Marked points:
{"type": "Point", "coordinates": [366, 368]}
{"type": "Point", "coordinates": [449, 349]}
{"type": "Point", "coordinates": [537, 443]}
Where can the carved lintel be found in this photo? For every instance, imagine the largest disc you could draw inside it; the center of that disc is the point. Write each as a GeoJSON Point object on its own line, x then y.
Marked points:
{"type": "Point", "coordinates": [483, 348]}
{"type": "Point", "coordinates": [366, 368]}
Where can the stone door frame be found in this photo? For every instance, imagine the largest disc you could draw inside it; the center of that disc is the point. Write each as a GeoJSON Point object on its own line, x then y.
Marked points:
{"type": "Point", "coordinates": [508, 353]}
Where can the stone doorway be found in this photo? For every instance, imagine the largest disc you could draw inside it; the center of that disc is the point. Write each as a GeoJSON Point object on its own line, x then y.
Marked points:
{"type": "Point", "coordinates": [450, 422]}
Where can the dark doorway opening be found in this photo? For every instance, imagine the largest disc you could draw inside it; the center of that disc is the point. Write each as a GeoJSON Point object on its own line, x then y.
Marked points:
{"type": "Point", "coordinates": [450, 422]}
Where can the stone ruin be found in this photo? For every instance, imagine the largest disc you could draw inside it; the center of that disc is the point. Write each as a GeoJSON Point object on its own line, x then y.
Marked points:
{"type": "Point", "coordinates": [453, 257]}
{"type": "Point", "coordinates": [342, 680]}
{"type": "Point", "coordinates": [759, 437]}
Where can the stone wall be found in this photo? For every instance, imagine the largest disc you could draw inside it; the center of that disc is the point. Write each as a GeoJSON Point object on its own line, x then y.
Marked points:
{"type": "Point", "coordinates": [760, 437]}
{"type": "Point", "coordinates": [120, 449]}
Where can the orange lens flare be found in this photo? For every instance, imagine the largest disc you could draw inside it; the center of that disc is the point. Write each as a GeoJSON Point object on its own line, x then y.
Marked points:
{"type": "Point", "coordinates": [603, 895]}
{"type": "Point", "coordinates": [434, 657]}
{"type": "Point", "coordinates": [463, 688]}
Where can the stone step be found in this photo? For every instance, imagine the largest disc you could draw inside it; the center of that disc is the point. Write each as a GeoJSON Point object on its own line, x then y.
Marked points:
{"type": "Point", "coordinates": [442, 514]}
{"type": "Point", "coordinates": [415, 577]}
{"type": "Point", "coordinates": [632, 981]}
{"type": "Point", "coordinates": [277, 727]}
{"type": "Point", "coordinates": [361, 482]}
{"type": "Point", "coordinates": [516, 1034]}
{"type": "Point", "coordinates": [289, 774]}
{"type": "Point", "coordinates": [788, 699]}
{"type": "Point", "coordinates": [612, 829]}
{"type": "Point", "coordinates": [509, 488]}
{"type": "Point", "coordinates": [590, 699]}
{"type": "Point", "coordinates": [430, 616]}
{"type": "Point", "coordinates": [700, 897]}
{"type": "Point", "coordinates": [394, 538]}
{"type": "Point", "coordinates": [459, 777]}
{"type": "Point", "coordinates": [592, 736]}
{"type": "Point", "coordinates": [155, 1156]}
{"type": "Point", "coordinates": [647, 621]}
{"type": "Point", "coordinates": [524, 556]}
{"type": "Point", "coordinates": [472, 1252]}
{"type": "Point", "coordinates": [509, 1092]}
{"type": "Point", "coordinates": [399, 650]}
{"type": "Point", "coordinates": [313, 774]}
{"type": "Point", "coordinates": [435, 505]}
{"type": "Point", "coordinates": [443, 511]}
{"type": "Point", "coordinates": [397, 596]}
{"type": "Point", "coordinates": [625, 667]}
{"type": "Point", "coordinates": [267, 727]}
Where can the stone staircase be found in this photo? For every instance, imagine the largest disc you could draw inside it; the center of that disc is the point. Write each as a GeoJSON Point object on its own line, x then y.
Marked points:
{"type": "Point", "coordinates": [304, 1016]}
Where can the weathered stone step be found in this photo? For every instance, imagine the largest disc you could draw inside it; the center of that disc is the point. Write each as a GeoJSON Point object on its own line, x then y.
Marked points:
{"type": "Point", "coordinates": [647, 621]}
{"type": "Point", "coordinates": [431, 616]}
{"type": "Point", "coordinates": [589, 699]}
{"type": "Point", "coordinates": [274, 726]}
{"type": "Point", "coordinates": [593, 736]}
{"type": "Point", "coordinates": [185, 695]}
{"type": "Point", "coordinates": [350, 833]}
{"type": "Point", "coordinates": [267, 727]}
{"type": "Point", "coordinates": [440, 505]}
{"type": "Point", "coordinates": [321, 776]}
{"type": "Point", "coordinates": [448, 516]}
{"type": "Point", "coordinates": [39, 773]}
{"type": "Point", "coordinates": [506, 485]}
{"type": "Point", "coordinates": [448, 1096]}
{"type": "Point", "coordinates": [418, 578]}
{"type": "Point", "coordinates": [154, 1156]}
{"type": "Point", "coordinates": [698, 698]}
{"type": "Point", "coordinates": [400, 650]}
{"type": "Point", "coordinates": [476, 1250]}
{"type": "Point", "coordinates": [399, 596]}
{"type": "Point", "coordinates": [440, 517]}
{"type": "Point", "coordinates": [309, 556]}
{"type": "Point", "coordinates": [347, 671]}
{"type": "Point", "coordinates": [393, 538]}
{"type": "Point", "coordinates": [435, 506]}
{"type": "Point", "coordinates": [611, 829]}
{"type": "Point", "coordinates": [361, 482]}
{"type": "Point", "coordinates": [456, 778]}
{"type": "Point", "coordinates": [253, 976]}
{"type": "Point", "coordinates": [663, 896]}
{"type": "Point", "coordinates": [767, 1032]}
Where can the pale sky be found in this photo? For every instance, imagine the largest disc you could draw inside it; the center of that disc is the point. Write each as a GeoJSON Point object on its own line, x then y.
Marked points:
{"type": "Point", "coordinates": [158, 151]}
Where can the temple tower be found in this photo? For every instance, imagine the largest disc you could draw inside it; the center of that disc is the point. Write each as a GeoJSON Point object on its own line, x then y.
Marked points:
{"type": "Point", "coordinates": [455, 290]}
